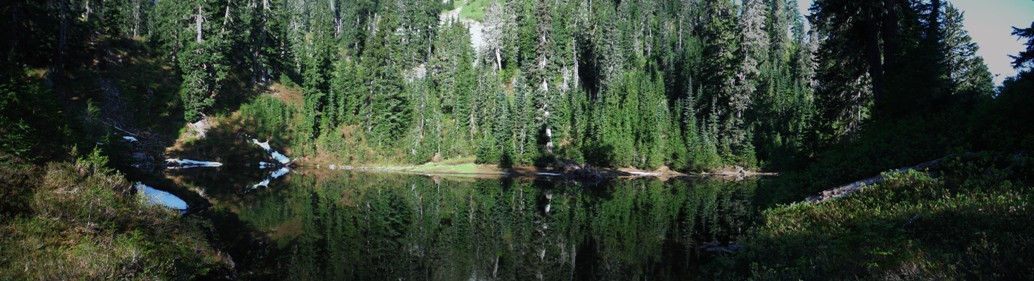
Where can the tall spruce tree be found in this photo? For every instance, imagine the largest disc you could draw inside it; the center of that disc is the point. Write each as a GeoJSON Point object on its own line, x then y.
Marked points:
{"type": "Point", "coordinates": [201, 52]}
{"type": "Point", "coordinates": [722, 61]}
{"type": "Point", "coordinates": [384, 111]}
{"type": "Point", "coordinates": [967, 70]}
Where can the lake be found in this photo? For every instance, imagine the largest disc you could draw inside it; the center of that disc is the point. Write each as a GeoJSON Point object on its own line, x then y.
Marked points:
{"type": "Point", "coordinates": [342, 225]}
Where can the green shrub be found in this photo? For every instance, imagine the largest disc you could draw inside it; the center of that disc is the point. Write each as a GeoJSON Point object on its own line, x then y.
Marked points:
{"type": "Point", "coordinates": [910, 226]}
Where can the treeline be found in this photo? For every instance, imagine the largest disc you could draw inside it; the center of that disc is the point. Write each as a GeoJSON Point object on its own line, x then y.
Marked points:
{"type": "Point", "coordinates": [694, 84]}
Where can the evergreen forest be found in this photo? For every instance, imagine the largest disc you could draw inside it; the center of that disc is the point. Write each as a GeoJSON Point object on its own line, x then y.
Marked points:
{"type": "Point", "coordinates": [690, 87]}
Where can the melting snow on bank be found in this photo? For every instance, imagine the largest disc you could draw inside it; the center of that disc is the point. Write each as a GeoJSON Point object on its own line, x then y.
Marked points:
{"type": "Point", "coordinates": [187, 163]}
{"type": "Point", "coordinates": [159, 197]}
{"type": "Point", "coordinates": [279, 157]}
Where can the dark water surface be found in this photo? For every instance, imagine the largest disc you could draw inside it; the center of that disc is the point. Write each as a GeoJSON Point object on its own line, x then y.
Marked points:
{"type": "Point", "coordinates": [337, 225]}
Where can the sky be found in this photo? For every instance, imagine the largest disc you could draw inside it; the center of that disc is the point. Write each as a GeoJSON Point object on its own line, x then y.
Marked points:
{"type": "Point", "coordinates": [990, 24]}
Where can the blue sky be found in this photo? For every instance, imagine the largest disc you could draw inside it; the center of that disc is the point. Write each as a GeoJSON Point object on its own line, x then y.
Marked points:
{"type": "Point", "coordinates": [990, 23]}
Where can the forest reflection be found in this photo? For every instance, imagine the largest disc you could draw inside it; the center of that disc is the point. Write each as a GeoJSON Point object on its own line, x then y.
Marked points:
{"type": "Point", "coordinates": [358, 226]}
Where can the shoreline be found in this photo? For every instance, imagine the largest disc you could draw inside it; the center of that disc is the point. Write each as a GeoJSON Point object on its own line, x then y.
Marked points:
{"type": "Point", "coordinates": [468, 169]}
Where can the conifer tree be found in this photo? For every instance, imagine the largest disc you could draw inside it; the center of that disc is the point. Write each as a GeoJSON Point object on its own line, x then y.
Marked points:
{"type": "Point", "coordinates": [202, 53]}
{"type": "Point", "coordinates": [496, 22]}
{"type": "Point", "coordinates": [722, 61]}
{"type": "Point", "coordinates": [967, 70]}
{"type": "Point", "coordinates": [1026, 57]}
{"type": "Point", "coordinates": [755, 47]}
{"type": "Point", "coordinates": [384, 110]}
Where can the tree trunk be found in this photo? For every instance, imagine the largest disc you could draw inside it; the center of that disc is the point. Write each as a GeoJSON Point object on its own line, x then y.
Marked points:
{"type": "Point", "coordinates": [62, 39]}
{"type": "Point", "coordinates": [498, 60]}
{"type": "Point", "coordinates": [87, 11]}
{"type": "Point", "coordinates": [873, 56]}
{"type": "Point", "coordinates": [136, 18]}
{"type": "Point", "coordinates": [198, 20]}
{"type": "Point", "coordinates": [226, 17]}
{"type": "Point", "coordinates": [889, 32]}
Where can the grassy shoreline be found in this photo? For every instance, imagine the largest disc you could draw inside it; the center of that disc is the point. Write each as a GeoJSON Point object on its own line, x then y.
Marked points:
{"type": "Point", "coordinates": [467, 168]}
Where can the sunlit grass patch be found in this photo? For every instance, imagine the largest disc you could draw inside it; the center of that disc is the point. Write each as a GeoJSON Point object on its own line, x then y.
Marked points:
{"type": "Point", "coordinates": [475, 9]}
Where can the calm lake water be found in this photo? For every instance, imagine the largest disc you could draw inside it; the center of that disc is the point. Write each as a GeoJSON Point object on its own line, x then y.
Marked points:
{"type": "Point", "coordinates": [337, 225]}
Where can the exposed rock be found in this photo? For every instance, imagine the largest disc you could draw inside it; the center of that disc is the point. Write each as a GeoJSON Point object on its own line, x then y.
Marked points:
{"type": "Point", "coordinates": [200, 127]}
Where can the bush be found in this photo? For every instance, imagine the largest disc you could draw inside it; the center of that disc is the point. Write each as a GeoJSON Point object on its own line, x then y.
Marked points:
{"type": "Point", "coordinates": [910, 226]}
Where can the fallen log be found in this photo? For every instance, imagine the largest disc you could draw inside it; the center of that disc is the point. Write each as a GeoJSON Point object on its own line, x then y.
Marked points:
{"type": "Point", "coordinates": [860, 185]}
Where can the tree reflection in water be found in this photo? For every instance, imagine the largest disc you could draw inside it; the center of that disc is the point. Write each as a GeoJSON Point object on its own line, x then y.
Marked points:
{"type": "Point", "coordinates": [355, 226]}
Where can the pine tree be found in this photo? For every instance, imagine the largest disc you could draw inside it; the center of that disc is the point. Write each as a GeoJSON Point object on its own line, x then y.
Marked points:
{"type": "Point", "coordinates": [496, 21]}
{"type": "Point", "coordinates": [1026, 57]}
{"type": "Point", "coordinates": [966, 69]}
{"type": "Point", "coordinates": [858, 38]}
{"type": "Point", "coordinates": [539, 75]}
{"type": "Point", "coordinates": [384, 111]}
{"type": "Point", "coordinates": [721, 61]}
{"type": "Point", "coordinates": [202, 56]}
{"type": "Point", "coordinates": [315, 60]}
{"type": "Point", "coordinates": [502, 131]}
{"type": "Point", "coordinates": [755, 50]}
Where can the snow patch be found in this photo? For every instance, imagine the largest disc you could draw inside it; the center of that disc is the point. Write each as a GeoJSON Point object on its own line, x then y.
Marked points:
{"type": "Point", "coordinates": [279, 157]}
{"type": "Point", "coordinates": [279, 173]}
{"type": "Point", "coordinates": [275, 175]}
{"type": "Point", "coordinates": [283, 159]}
{"type": "Point", "coordinates": [159, 197]}
{"type": "Point", "coordinates": [264, 145]}
{"type": "Point", "coordinates": [130, 138]}
{"type": "Point", "coordinates": [188, 163]}
{"type": "Point", "coordinates": [264, 184]}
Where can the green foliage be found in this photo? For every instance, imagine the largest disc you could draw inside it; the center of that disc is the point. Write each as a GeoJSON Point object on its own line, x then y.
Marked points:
{"type": "Point", "coordinates": [1005, 123]}
{"type": "Point", "coordinates": [82, 221]}
{"type": "Point", "coordinates": [201, 52]}
{"type": "Point", "coordinates": [693, 85]}
{"type": "Point", "coordinates": [909, 226]}
{"type": "Point", "coordinates": [875, 148]}
{"type": "Point", "coordinates": [30, 124]}
{"type": "Point", "coordinates": [389, 80]}
{"type": "Point", "coordinates": [553, 82]}
{"type": "Point", "coordinates": [269, 117]}
{"type": "Point", "coordinates": [966, 69]}
{"type": "Point", "coordinates": [385, 111]}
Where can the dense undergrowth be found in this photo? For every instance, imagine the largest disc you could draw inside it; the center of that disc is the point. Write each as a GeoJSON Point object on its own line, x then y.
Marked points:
{"type": "Point", "coordinates": [81, 220]}
{"type": "Point", "coordinates": [973, 221]}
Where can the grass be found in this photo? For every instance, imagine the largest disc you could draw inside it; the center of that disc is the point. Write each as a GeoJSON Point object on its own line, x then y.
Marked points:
{"type": "Point", "coordinates": [475, 9]}
{"type": "Point", "coordinates": [463, 165]}
{"type": "Point", "coordinates": [80, 220]}
{"type": "Point", "coordinates": [467, 168]}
